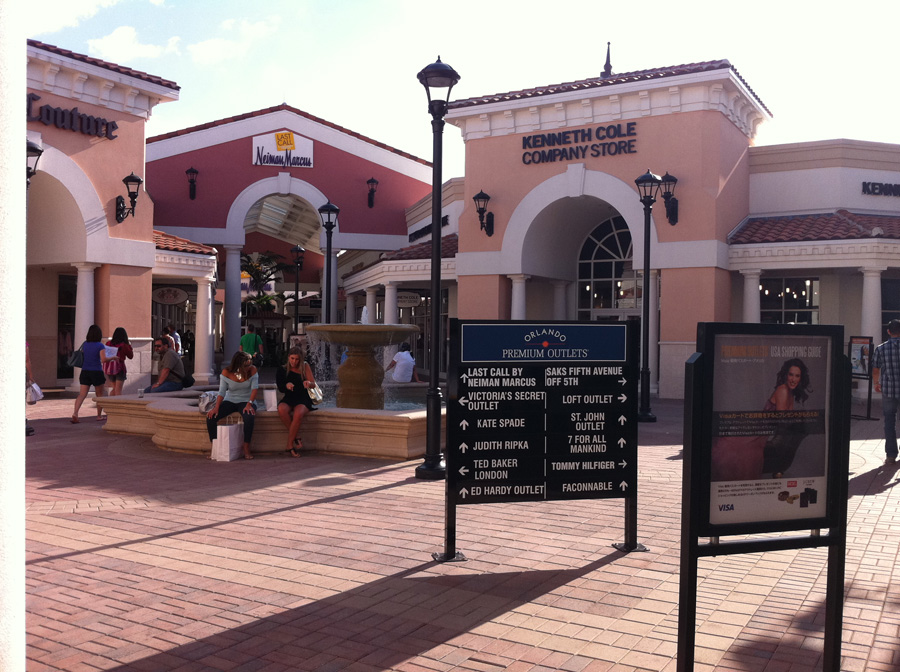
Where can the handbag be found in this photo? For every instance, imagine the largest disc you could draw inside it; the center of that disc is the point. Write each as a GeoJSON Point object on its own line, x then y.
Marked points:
{"type": "Point", "coordinates": [76, 359]}
{"type": "Point", "coordinates": [112, 367]}
{"type": "Point", "coordinates": [33, 393]}
{"type": "Point", "coordinates": [315, 393]}
{"type": "Point", "coordinates": [187, 380]}
{"type": "Point", "coordinates": [207, 401]}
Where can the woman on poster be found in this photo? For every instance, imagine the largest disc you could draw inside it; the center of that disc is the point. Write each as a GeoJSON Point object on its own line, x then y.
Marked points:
{"type": "Point", "coordinates": [747, 458]}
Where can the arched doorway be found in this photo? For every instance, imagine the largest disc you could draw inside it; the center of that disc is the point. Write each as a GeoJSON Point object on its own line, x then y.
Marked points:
{"type": "Point", "coordinates": [609, 289]}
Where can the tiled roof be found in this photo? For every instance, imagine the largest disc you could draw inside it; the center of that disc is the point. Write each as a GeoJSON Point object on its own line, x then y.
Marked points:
{"type": "Point", "coordinates": [595, 82]}
{"type": "Point", "coordinates": [840, 225]}
{"type": "Point", "coordinates": [104, 64]}
{"type": "Point", "coordinates": [449, 248]}
{"type": "Point", "coordinates": [287, 108]}
{"type": "Point", "coordinates": [166, 241]}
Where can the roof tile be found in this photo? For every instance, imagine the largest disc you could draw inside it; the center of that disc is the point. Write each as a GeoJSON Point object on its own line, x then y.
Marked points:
{"type": "Point", "coordinates": [166, 241]}
{"type": "Point", "coordinates": [104, 64]}
{"type": "Point", "coordinates": [840, 225]}
{"type": "Point", "coordinates": [449, 248]}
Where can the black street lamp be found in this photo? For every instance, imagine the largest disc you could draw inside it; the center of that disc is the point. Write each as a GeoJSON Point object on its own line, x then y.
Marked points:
{"type": "Point", "coordinates": [298, 253]}
{"type": "Point", "coordinates": [33, 153]}
{"type": "Point", "coordinates": [435, 77]}
{"type": "Point", "coordinates": [329, 213]}
{"type": "Point", "coordinates": [648, 185]}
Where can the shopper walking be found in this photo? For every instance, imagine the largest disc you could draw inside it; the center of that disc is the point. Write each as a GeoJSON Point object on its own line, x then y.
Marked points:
{"type": "Point", "coordinates": [886, 375]}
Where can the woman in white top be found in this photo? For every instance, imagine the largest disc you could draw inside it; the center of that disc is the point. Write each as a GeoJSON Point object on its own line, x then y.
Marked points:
{"type": "Point", "coordinates": [238, 386]}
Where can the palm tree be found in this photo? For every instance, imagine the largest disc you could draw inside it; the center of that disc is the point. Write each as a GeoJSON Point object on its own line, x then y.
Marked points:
{"type": "Point", "coordinates": [263, 268]}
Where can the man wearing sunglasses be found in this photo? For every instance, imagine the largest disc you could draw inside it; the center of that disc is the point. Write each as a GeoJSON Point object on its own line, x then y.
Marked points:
{"type": "Point", "coordinates": [171, 368]}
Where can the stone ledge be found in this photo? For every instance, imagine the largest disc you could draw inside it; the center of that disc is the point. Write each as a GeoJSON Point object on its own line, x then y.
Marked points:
{"type": "Point", "coordinates": [174, 422]}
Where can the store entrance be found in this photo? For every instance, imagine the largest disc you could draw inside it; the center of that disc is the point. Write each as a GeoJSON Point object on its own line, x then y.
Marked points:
{"type": "Point", "coordinates": [609, 289]}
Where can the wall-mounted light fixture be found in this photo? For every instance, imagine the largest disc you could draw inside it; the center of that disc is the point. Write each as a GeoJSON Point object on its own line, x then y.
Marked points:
{"type": "Point", "coordinates": [32, 155]}
{"type": "Point", "coordinates": [192, 181]}
{"type": "Point", "coordinates": [373, 185]}
{"type": "Point", "coordinates": [668, 193]}
{"type": "Point", "coordinates": [485, 218]}
{"type": "Point", "coordinates": [132, 183]}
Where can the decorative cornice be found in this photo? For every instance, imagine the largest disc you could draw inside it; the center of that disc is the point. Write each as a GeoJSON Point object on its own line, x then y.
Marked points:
{"type": "Point", "coordinates": [841, 254]}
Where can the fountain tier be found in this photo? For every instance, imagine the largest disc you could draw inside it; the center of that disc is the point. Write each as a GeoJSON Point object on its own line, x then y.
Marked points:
{"type": "Point", "coordinates": [361, 376]}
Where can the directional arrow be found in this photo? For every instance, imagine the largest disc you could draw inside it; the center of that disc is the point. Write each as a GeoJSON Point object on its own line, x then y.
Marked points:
{"type": "Point", "coordinates": [622, 419]}
{"type": "Point", "coordinates": [623, 464]}
{"type": "Point", "coordinates": [463, 493]}
{"type": "Point", "coordinates": [622, 442]}
{"type": "Point", "coordinates": [622, 397]}
{"type": "Point", "coordinates": [463, 470]}
{"type": "Point", "coordinates": [463, 447]}
{"type": "Point", "coordinates": [622, 381]}
{"type": "Point", "coordinates": [465, 377]}
{"type": "Point", "coordinates": [463, 401]}
{"type": "Point", "coordinates": [623, 485]}
{"type": "Point", "coordinates": [464, 424]}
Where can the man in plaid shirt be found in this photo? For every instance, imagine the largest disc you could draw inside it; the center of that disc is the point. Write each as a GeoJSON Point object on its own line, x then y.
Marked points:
{"type": "Point", "coordinates": [886, 375]}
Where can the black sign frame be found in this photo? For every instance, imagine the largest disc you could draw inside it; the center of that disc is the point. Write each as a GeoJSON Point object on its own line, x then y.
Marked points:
{"type": "Point", "coordinates": [544, 349]}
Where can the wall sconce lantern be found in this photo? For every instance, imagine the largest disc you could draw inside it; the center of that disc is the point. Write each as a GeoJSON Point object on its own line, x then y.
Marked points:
{"type": "Point", "coordinates": [373, 185]}
{"type": "Point", "coordinates": [485, 218]}
{"type": "Point", "coordinates": [132, 183]}
{"type": "Point", "coordinates": [192, 181]}
{"type": "Point", "coordinates": [32, 156]}
{"type": "Point", "coordinates": [668, 194]}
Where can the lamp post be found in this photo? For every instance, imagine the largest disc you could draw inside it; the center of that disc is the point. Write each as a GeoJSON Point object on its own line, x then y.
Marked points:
{"type": "Point", "coordinates": [33, 153]}
{"type": "Point", "coordinates": [298, 253]}
{"type": "Point", "coordinates": [435, 77]}
{"type": "Point", "coordinates": [329, 213]}
{"type": "Point", "coordinates": [648, 186]}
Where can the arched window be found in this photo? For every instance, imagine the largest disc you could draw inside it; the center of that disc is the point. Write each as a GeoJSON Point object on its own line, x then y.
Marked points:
{"type": "Point", "coordinates": [608, 287]}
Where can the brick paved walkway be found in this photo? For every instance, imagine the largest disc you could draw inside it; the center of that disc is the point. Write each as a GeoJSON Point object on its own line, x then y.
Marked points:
{"type": "Point", "coordinates": [144, 560]}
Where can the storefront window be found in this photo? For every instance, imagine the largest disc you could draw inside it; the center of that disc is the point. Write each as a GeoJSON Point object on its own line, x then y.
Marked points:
{"type": "Point", "coordinates": [890, 303]}
{"type": "Point", "coordinates": [789, 300]}
{"type": "Point", "coordinates": [65, 324]}
{"type": "Point", "coordinates": [608, 287]}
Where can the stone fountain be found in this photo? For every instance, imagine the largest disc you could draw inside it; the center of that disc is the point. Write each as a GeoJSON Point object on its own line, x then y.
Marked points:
{"type": "Point", "coordinates": [361, 375]}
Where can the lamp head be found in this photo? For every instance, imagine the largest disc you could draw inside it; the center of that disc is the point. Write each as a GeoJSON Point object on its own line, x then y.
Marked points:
{"type": "Point", "coordinates": [648, 186]}
{"type": "Point", "coordinates": [329, 213]}
{"type": "Point", "coordinates": [298, 253]}
{"type": "Point", "coordinates": [33, 153]}
{"type": "Point", "coordinates": [373, 186]}
{"type": "Point", "coordinates": [434, 77]}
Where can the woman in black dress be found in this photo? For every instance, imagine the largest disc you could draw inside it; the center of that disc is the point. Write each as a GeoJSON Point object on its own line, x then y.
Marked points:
{"type": "Point", "coordinates": [293, 380]}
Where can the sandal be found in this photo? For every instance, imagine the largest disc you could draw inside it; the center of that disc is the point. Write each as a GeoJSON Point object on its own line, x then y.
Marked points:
{"type": "Point", "coordinates": [74, 420]}
{"type": "Point", "coordinates": [293, 452]}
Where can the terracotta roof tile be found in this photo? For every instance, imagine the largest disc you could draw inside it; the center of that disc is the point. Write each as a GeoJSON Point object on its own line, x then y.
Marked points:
{"type": "Point", "coordinates": [840, 225]}
{"type": "Point", "coordinates": [449, 248]}
{"type": "Point", "coordinates": [595, 82]}
{"type": "Point", "coordinates": [166, 241]}
{"type": "Point", "coordinates": [104, 64]}
{"type": "Point", "coordinates": [287, 108]}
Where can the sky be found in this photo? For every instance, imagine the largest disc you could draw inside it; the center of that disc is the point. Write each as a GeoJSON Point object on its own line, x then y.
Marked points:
{"type": "Point", "coordinates": [824, 69]}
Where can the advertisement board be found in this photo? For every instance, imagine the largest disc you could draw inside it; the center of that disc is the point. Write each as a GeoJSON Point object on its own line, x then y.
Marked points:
{"type": "Point", "coordinates": [767, 453]}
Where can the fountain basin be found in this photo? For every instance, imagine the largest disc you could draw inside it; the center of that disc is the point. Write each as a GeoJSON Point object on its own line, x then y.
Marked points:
{"type": "Point", "coordinates": [361, 375]}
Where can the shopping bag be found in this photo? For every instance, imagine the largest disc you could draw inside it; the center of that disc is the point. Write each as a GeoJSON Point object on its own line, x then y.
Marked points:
{"type": "Point", "coordinates": [33, 393]}
{"type": "Point", "coordinates": [270, 396]}
{"type": "Point", "coordinates": [229, 443]}
{"type": "Point", "coordinates": [76, 359]}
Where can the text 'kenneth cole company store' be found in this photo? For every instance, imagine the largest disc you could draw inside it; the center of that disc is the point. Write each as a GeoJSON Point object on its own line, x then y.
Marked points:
{"type": "Point", "coordinates": [560, 202]}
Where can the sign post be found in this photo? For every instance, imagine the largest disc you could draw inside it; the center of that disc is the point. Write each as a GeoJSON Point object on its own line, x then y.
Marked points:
{"type": "Point", "coordinates": [766, 445]}
{"type": "Point", "coordinates": [540, 412]}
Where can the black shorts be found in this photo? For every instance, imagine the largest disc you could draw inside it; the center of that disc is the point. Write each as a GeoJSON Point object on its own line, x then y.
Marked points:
{"type": "Point", "coordinates": [95, 378]}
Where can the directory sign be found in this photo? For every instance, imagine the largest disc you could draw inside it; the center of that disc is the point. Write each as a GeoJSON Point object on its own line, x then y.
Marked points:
{"type": "Point", "coordinates": [541, 411]}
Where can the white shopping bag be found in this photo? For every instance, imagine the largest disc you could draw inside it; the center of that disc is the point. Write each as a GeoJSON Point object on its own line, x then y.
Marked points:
{"type": "Point", "coordinates": [271, 399]}
{"type": "Point", "coordinates": [229, 443]}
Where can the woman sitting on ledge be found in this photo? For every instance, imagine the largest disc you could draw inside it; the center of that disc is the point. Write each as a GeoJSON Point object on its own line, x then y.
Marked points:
{"type": "Point", "coordinates": [293, 380]}
{"type": "Point", "coordinates": [238, 386]}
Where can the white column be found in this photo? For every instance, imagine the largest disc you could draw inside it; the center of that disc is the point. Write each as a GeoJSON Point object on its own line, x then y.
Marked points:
{"type": "Point", "coordinates": [653, 297]}
{"type": "Point", "coordinates": [203, 334]}
{"type": "Point", "coordinates": [232, 300]}
{"type": "Point", "coordinates": [350, 310]}
{"type": "Point", "coordinates": [391, 312]}
{"type": "Point", "coordinates": [871, 303]}
{"type": "Point", "coordinates": [751, 295]}
{"type": "Point", "coordinates": [518, 301]}
{"type": "Point", "coordinates": [12, 335]}
{"type": "Point", "coordinates": [560, 311]}
{"type": "Point", "coordinates": [372, 303]}
{"type": "Point", "coordinates": [84, 309]}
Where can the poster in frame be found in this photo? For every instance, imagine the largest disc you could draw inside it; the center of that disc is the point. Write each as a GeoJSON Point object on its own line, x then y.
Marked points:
{"type": "Point", "coordinates": [859, 350]}
{"type": "Point", "coordinates": [767, 452]}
